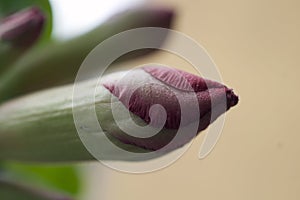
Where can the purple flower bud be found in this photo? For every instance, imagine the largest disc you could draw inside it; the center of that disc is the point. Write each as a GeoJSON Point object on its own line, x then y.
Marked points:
{"type": "Point", "coordinates": [147, 17]}
{"type": "Point", "coordinates": [172, 84]}
{"type": "Point", "coordinates": [23, 28]}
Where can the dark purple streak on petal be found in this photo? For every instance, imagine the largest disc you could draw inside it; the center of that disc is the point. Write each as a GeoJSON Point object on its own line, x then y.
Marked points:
{"type": "Point", "coordinates": [181, 80]}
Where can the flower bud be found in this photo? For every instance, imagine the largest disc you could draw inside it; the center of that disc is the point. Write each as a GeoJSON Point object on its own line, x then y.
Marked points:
{"type": "Point", "coordinates": [23, 28]}
{"type": "Point", "coordinates": [174, 90]}
{"type": "Point", "coordinates": [44, 126]}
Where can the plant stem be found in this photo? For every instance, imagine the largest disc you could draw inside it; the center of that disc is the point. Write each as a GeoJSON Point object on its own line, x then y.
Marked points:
{"type": "Point", "coordinates": [40, 127]}
{"type": "Point", "coordinates": [8, 55]}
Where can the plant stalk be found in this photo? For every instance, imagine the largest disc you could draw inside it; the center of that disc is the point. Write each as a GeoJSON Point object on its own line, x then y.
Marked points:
{"type": "Point", "coordinates": [40, 127]}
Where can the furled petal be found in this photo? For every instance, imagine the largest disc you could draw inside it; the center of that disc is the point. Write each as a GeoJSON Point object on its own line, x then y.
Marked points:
{"type": "Point", "coordinates": [174, 90]}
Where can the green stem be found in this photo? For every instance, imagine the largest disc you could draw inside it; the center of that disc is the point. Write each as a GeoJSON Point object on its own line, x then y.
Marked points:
{"type": "Point", "coordinates": [40, 127]}
{"type": "Point", "coordinates": [8, 55]}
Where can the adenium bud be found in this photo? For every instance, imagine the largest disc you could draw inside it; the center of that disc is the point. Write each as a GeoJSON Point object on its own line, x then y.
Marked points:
{"type": "Point", "coordinates": [146, 17]}
{"type": "Point", "coordinates": [151, 85]}
{"type": "Point", "coordinates": [44, 126]}
{"type": "Point", "coordinates": [23, 28]}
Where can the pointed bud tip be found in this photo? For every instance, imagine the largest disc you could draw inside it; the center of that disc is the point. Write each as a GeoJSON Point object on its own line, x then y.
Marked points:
{"type": "Point", "coordinates": [23, 28]}
{"type": "Point", "coordinates": [232, 99]}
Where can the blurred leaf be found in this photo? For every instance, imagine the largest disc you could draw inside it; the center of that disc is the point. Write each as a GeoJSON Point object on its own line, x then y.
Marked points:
{"type": "Point", "coordinates": [7, 192]}
{"type": "Point", "coordinates": [15, 190]}
{"type": "Point", "coordinates": [61, 178]}
{"type": "Point", "coordinates": [10, 6]}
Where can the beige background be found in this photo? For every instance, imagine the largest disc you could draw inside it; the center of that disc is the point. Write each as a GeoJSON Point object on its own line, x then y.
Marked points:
{"type": "Point", "coordinates": [256, 45]}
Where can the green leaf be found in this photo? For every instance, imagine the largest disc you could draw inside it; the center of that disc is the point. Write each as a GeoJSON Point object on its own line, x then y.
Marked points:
{"type": "Point", "coordinates": [60, 178]}
{"type": "Point", "coordinates": [13, 189]}
{"type": "Point", "coordinates": [10, 6]}
{"type": "Point", "coordinates": [12, 193]}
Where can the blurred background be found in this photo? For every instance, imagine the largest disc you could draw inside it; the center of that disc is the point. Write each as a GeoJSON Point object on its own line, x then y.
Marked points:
{"type": "Point", "coordinates": [256, 46]}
